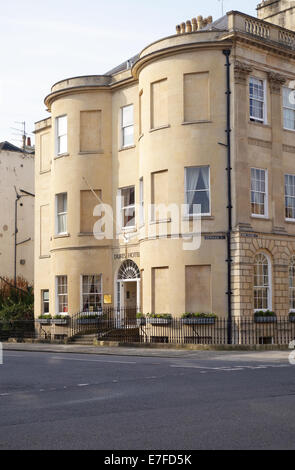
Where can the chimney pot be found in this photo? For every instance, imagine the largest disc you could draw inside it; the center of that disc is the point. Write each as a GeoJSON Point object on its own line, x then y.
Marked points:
{"type": "Point", "coordinates": [178, 29]}
{"type": "Point", "coordinates": [182, 26]}
{"type": "Point", "coordinates": [194, 24]}
{"type": "Point", "coordinates": [188, 26]}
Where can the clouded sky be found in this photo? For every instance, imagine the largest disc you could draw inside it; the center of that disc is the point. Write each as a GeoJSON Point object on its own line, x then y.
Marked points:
{"type": "Point", "coordinates": [44, 42]}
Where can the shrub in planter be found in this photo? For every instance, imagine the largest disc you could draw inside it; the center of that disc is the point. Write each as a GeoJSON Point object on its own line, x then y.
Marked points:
{"type": "Point", "coordinates": [199, 318]}
{"type": "Point", "coordinates": [140, 319]}
{"type": "Point", "coordinates": [266, 316]}
{"type": "Point", "coordinates": [60, 319]}
{"type": "Point", "coordinates": [158, 318]}
{"type": "Point", "coordinates": [88, 319]}
{"type": "Point", "coordinates": [45, 319]}
{"type": "Point", "coordinates": [292, 317]}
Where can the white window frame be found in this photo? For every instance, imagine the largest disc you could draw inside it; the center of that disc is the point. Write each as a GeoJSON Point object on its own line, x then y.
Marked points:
{"type": "Point", "coordinates": [265, 215]}
{"type": "Point", "coordinates": [288, 108]}
{"type": "Point", "coordinates": [122, 208]}
{"type": "Point", "coordinates": [43, 302]}
{"type": "Point", "coordinates": [58, 214]}
{"type": "Point", "coordinates": [58, 136]}
{"type": "Point", "coordinates": [269, 288]}
{"type": "Point", "coordinates": [83, 293]}
{"type": "Point", "coordinates": [253, 118]}
{"type": "Point", "coordinates": [187, 213]}
{"type": "Point", "coordinates": [57, 295]}
{"type": "Point", "coordinates": [141, 202]}
{"type": "Point", "coordinates": [288, 219]}
{"type": "Point", "coordinates": [123, 145]}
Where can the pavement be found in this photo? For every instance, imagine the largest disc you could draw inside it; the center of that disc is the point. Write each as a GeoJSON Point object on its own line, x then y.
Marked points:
{"type": "Point", "coordinates": [140, 399]}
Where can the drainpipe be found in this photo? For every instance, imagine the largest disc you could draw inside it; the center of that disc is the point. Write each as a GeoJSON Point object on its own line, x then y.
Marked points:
{"type": "Point", "coordinates": [227, 53]}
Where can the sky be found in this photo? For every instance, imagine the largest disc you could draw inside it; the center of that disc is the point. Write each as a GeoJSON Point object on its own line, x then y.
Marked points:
{"type": "Point", "coordinates": [44, 42]}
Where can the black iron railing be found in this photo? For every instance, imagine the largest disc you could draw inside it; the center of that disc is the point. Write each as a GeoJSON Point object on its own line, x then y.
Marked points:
{"type": "Point", "coordinates": [123, 326]}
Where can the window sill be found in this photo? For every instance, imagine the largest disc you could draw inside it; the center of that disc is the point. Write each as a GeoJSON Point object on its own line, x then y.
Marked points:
{"type": "Point", "coordinates": [289, 130]}
{"type": "Point", "coordinates": [92, 152]}
{"type": "Point", "coordinates": [290, 221]}
{"type": "Point", "coordinates": [260, 217]}
{"type": "Point", "coordinates": [202, 121]}
{"type": "Point", "coordinates": [62, 235]}
{"type": "Point", "coordinates": [45, 257]}
{"type": "Point", "coordinates": [129, 147]}
{"type": "Point", "coordinates": [160, 128]}
{"type": "Point", "coordinates": [162, 221]}
{"type": "Point", "coordinates": [199, 216]}
{"type": "Point", "coordinates": [260, 124]}
{"type": "Point", "coordinates": [62, 155]}
{"type": "Point", "coordinates": [44, 172]}
{"type": "Point", "coordinates": [85, 234]}
{"type": "Point", "coordinates": [127, 230]}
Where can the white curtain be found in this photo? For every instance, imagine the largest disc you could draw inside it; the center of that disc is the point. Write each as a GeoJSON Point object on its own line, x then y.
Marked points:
{"type": "Point", "coordinates": [192, 178]}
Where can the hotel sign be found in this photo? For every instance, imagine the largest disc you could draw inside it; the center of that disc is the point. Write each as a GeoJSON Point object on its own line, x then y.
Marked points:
{"type": "Point", "coordinates": [122, 256]}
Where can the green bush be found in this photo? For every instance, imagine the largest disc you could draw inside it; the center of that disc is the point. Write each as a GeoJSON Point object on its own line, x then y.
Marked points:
{"type": "Point", "coordinates": [164, 316]}
{"type": "Point", "coordinates": [266, 313]}
{"type": "Point", "coordinates": [198, 315]}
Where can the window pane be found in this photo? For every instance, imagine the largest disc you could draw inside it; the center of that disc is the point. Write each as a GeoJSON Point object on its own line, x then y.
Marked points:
{"type": "Point", "coordinates": [128, 195]}
{"type": "Point", "coordinates": [128, 136]}
{"type": "Point", "coordinates": [63, 144]}
{"type": "Point", "coordinates": [127, 116]}
{"type": "Point", "coordinates": [129, 217]}
{"type": "Point", "coordinates": [62, 125]}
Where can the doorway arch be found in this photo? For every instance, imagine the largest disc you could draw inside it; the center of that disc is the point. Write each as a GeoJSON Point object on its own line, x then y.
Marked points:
{"type": "Point", "coordinates": [128, 286]}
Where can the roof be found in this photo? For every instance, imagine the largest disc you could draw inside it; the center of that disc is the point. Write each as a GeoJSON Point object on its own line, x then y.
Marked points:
{"type": "Point", "coordinates": [124, 66]}
{"type": "Point", "coordinates": [9, 147]}
{"type": "Point", "coordinates": [219, 25]}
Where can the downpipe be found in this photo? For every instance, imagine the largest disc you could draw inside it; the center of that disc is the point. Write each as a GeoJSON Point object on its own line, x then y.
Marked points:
{"type": "Point", "coordinates": [227, 53]}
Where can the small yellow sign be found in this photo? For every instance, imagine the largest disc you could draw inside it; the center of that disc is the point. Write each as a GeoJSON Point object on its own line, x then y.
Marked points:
{"type": "Point", "coordinates": [107, 299]}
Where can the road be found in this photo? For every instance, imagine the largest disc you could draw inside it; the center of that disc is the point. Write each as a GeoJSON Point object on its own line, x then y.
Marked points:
{"type": "Point", "coordinates": [197, 401]}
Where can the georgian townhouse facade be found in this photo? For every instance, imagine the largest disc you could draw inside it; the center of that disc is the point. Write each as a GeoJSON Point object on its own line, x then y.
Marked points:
{"type": "Point", "coordinates": [205, 116]}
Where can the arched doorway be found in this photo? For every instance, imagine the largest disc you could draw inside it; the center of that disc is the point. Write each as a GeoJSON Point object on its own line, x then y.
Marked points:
{"type": "Point", "coordinates": [128, 288]}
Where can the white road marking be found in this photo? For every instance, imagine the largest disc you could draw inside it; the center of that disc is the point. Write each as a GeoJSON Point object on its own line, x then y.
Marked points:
{"type": "Point", "coordinates": [92, 360]}
{"type": "Point", "coordinates": [4, 394]}
{"type": "Point", "coordinates": [83, 385]}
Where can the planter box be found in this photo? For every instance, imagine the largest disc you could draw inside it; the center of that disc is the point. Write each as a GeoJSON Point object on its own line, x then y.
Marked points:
{"type": "Point", "coordinates": [265, 319]}
{"type": "Point", "coordinates": [159, 321]}
{"type": "Point", "coordinates": [141, 321]}
{"type": "Point", "coordinates": [60, 321]}
{"type": "Point", "coordinates": [198, 321]}
{"type": "Point", "coordinates": [44, 322]}
{"type": "Point", "coordinates": [86, 321]}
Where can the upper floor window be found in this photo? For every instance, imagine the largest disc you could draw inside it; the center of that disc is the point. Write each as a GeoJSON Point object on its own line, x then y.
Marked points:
{"type": "Point", "coordinates": [141, 202]}
{"type": "Point", "coordinates": [128, 126]}
{"type": "Point", "coordinates": [127, 207]}
{"type": "Point", "coordinates": [257, 100]}
{"type": "Point", "coordinates": [289, 108]}
{"type": "Point", "coordinates": [61, 135]}
{"type": "Point", "coordinates": [259, 197]}
{"type": "Point", "coordinates": [290, 197]}
{"type": "Point", "coordinates": [61, 213]}
{"type": "Point", "coordinates": [197, 189]}
{"type": "Point", "coordinates": [92, 293]}
{"type": "Point", "coordinates": [262, 283]}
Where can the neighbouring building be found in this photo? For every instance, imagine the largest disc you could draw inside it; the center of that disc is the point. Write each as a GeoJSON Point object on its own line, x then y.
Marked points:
{"type": "Point", "coordinates": [154, 130]}
{"type": "Point", "coordinates": [17, 170]}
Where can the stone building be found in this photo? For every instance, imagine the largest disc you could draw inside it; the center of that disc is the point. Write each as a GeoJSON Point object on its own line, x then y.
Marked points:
{"type": "Point", "coordinates": [16, 173]}
{"type": "Point", "coordinates": [205, 116]}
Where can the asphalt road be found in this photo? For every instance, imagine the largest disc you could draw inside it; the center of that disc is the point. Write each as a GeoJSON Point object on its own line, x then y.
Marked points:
{"type": "Point", "coordinates": [201, 401]}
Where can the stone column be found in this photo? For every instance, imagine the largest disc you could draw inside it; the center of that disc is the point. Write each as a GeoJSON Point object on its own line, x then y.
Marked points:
{"type": "Point", "coordinates": [240, 145]}
{"type": "Point", "coordinates": [276, 182]}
